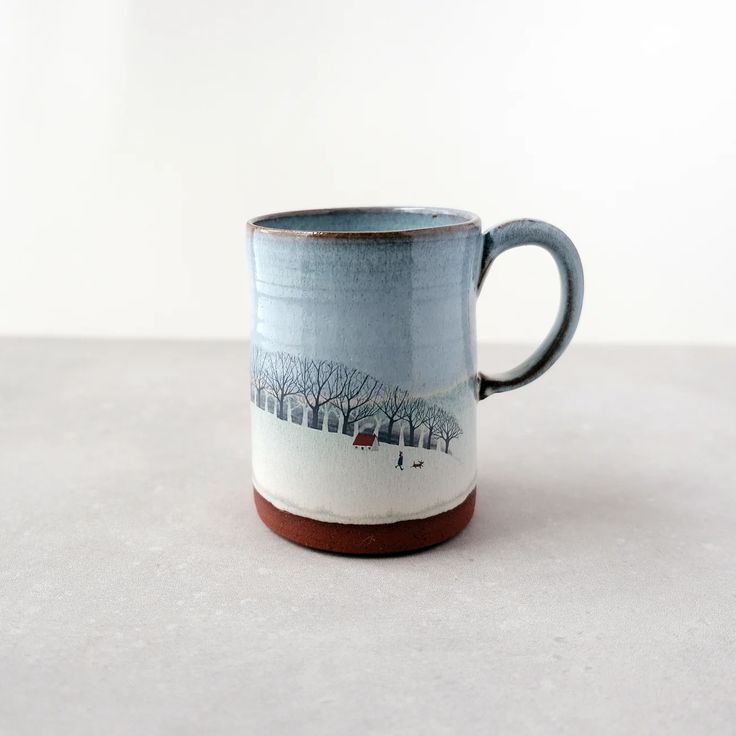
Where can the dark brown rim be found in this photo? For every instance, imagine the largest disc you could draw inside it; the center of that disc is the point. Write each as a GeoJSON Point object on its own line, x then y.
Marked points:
{"type": "Point", "coordinates": [367, 539]}
{"type": "Point", "coordinates": [469, 220]}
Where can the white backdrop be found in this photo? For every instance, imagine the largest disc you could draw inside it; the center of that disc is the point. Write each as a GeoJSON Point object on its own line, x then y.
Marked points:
{"type": "Point", "coordinates": [137, 136]}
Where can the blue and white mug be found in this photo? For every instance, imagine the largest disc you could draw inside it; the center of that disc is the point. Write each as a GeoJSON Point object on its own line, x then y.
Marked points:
{"type": "Point", "coordinates": [363, 369]}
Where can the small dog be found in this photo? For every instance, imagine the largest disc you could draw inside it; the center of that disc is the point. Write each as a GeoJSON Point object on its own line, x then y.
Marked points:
{"type": "Point", "coordinates": [417, 464]}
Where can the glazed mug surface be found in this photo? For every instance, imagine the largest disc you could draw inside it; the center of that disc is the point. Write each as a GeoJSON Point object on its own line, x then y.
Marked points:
{"type": "Point", "coordinates": [363, 369]}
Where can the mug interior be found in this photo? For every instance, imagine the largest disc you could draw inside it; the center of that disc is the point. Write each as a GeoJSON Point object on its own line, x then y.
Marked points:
{"type": "Point", "coordinates": [365, 220]}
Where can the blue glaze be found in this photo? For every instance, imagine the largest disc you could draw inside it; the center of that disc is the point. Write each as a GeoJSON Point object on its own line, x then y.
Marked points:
{"type": "Point", "coordinates": [510, 235]}
{"type": "Point", "coordinates": [401, 306]}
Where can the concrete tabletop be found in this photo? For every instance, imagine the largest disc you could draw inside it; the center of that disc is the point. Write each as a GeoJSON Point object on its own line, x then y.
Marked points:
{"type": "Point", "coordinates": [594, 592]}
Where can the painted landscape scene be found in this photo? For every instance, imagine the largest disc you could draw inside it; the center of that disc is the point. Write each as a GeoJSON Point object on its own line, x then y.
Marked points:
{"type": "Point", "coordinates": [334, 443]}
{"type": "Point", "coordinates": [328, 396]}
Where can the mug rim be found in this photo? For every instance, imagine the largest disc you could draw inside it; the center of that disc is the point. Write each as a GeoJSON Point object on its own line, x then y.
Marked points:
{"type": "Point", "coordinates": [468, 220]}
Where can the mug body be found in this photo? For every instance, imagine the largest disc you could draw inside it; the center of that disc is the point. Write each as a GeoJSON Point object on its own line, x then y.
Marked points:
{"type": "Point", "coordinates": [363, 375]}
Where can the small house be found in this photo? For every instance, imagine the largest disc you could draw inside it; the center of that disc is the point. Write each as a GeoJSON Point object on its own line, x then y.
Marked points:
{"type": "Point", "coordinates": [366, 441]}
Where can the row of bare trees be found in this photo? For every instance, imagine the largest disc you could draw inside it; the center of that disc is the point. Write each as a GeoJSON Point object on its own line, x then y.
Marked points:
{"type": "Point", "coordinates": [316, 389]}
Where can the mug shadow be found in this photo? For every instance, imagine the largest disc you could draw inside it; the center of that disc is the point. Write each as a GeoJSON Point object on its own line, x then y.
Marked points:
{"type": "Point", "coordinates": [511, 510]}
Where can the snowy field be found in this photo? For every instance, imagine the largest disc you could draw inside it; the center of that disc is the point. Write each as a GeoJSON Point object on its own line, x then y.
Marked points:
{"type": "Point", "coordinates": [321, 475]}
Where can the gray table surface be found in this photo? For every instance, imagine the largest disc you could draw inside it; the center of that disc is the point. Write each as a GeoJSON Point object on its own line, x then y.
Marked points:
{"type": "Point", "coordinates": [594, 591]}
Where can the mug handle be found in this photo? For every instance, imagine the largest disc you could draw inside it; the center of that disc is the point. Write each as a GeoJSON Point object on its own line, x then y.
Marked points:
{"type": "Point", "coordinates": [533, 232]}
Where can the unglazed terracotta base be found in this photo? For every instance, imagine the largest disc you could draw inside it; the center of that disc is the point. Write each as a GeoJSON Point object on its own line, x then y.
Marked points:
{"type": "Point", "coordinates": [366, 539]}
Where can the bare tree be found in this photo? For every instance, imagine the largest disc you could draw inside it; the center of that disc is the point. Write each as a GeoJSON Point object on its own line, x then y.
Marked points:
{"type": "Point", "coordinates": [391, 403]}
{"type": "Point", "coordinates": [319, 384]}
{"type": "Point", "coordinates": [258, 360]}
{"type": "Point", "coordinates": [281, 378]}
{"type": "Point", "coordinates": [448, 428]}
{"type": "Point", "coordinates": [431, 420]}
{"type": "Point", "coordinates": [414, 413]}
{"type": "Point", "coordinates": [357, 398]}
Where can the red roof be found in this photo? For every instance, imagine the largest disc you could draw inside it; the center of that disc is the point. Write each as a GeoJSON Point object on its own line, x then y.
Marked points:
{"type": "Point", "coordinates": [365, 440]}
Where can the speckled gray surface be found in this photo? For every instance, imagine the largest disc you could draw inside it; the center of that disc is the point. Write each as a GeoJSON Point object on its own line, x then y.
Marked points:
{"type": "Point", "coordinates": [595, 590]}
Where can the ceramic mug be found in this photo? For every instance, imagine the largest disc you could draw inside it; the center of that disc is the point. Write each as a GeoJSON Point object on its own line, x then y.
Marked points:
{"type": "Point", "coordinates": [363, 369]}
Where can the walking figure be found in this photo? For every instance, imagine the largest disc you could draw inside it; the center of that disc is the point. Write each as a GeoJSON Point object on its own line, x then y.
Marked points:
{"type": "Point", "coordinates": [400, 461]}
